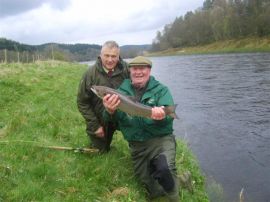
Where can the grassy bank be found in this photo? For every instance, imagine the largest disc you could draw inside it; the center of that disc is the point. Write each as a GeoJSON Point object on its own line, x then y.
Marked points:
{"type": "Point", "coordinates": [38, 108]}
{"type": "Point", "coordinates": [245, 45]}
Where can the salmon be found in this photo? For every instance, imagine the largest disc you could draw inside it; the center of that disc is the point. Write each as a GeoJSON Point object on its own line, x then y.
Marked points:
{"type": "Point", "coordinates": [130, 106]}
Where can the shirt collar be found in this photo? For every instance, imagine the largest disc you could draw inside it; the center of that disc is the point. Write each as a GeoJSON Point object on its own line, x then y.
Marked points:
{"type": "Point", "coordinates": [106, 70]}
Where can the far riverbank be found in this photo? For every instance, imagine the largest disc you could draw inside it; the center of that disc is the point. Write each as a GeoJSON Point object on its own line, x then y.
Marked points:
{"type": "Point", "coordinates": [245, 45]}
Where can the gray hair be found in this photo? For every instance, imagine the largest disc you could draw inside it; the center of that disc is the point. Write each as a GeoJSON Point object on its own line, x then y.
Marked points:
{"type": "Point", "coordinates": [110, 44]}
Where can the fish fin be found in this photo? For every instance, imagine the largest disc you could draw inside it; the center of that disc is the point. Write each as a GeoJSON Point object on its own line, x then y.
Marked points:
{"type": "Point", "coordinates": [129, 116]}
{"type": "Point", "coordinates": [92, 88]}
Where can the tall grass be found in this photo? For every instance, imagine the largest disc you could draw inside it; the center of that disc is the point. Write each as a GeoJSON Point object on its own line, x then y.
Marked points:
{"type": "Point", "coordinates": [38, 107]}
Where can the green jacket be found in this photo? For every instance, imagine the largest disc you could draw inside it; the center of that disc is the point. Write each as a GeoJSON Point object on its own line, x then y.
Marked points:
{"type": "Point", "coordinates": [89, 104]}
{"type": "Point", "coordinates": [138, 128]}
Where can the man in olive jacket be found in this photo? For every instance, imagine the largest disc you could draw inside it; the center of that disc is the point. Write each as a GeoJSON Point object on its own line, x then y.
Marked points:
{"type": "Point", "coordinates": [109, 70]}
{"type": "Point", "coordinates": [151, 141]}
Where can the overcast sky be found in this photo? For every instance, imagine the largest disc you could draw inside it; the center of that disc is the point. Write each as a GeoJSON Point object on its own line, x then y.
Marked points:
{"type": "Point", "coordinates": [89, 21]}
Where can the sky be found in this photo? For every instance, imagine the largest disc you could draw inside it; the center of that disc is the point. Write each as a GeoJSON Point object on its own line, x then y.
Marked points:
{"type": "Point", "coordinates": [128, 22]}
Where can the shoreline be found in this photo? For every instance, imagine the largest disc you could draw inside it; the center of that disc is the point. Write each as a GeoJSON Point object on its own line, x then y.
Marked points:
{"type": "Point", "coordinates": [245, 45]}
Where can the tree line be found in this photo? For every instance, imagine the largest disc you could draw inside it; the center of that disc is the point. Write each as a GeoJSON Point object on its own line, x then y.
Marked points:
{"type": "Point", "coordinates": [12, 51]}
{"type": "Point", "coordinates": [216, 20]}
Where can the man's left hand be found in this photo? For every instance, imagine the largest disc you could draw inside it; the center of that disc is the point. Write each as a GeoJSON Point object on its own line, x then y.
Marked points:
{"type": "Point", "coordinates": [158, 113]}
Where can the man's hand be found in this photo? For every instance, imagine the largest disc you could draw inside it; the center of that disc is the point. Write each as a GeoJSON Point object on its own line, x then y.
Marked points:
{"type": "Point", "coordinates": [111, 102]}
{"type": "Point", "coordinates": [158, 113]}
{"type": "Point", "coordinates": [100, 132]}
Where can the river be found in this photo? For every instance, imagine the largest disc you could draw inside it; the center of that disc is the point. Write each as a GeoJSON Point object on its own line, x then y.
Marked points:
{"type": "Point", "coordinates": [224, 105]}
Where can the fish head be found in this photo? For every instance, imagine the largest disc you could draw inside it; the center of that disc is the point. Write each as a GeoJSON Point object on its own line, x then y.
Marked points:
{"type": "Point", "coordinates": [100, 91]}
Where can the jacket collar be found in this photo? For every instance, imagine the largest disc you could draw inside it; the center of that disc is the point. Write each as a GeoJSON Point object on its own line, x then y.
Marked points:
{"type": "Point", "coordinates": [152, 88]}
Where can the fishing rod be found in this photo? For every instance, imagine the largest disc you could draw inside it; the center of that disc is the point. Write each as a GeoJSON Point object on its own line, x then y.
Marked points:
{"type": "Point", "coordinates": [61, 148]}
{"type": "Point", "coordinates": [76, 150]}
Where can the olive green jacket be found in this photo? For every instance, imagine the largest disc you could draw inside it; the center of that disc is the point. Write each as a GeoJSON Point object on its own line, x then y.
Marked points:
{"type": "Point", "coordinates": [89, 105]}
{"type": "Point", "coordinates": [138, 128]}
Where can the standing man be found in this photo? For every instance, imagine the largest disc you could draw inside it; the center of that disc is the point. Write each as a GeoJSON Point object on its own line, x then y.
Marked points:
{"type": "Point", "coordinates": [109, 70]}
{"type": "Point", "coordinates": [151, 142]}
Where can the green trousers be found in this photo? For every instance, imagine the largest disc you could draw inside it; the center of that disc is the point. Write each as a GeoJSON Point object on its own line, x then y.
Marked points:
{"type": "Point", "coordinates": [154, 165]}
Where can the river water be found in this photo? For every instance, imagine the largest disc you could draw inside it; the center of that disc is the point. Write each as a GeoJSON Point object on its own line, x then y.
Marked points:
{"type": "Point", "coordinates": [224, 109]}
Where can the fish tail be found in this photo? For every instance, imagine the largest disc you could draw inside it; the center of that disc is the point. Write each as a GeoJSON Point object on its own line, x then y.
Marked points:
{"type": "Point", "coordinates": [170, 111]}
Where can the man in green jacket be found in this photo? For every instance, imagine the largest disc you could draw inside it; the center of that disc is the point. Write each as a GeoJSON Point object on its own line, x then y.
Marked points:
{"type": "Point", "coordinates": [109, 70]}
{"type": "Point", "coordinates": [151, 141]}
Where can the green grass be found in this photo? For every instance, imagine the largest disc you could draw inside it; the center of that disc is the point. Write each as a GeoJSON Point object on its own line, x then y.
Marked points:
{"type": "Point", "coordinates": [245, 45]}
{"type": "Point", "coordinates": [38, 107]}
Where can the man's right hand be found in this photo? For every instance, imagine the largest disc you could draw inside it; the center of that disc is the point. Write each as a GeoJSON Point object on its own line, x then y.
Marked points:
{"type": "Point", "coordinates": [99, 132]}
{"type": "Point", "coordinates": [111, 102]}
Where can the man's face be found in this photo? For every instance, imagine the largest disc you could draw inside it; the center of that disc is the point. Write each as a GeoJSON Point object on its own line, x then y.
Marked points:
{"type": "Point", "coordinates": [139, 75]}
{"type": "Point", "coordinates": [109, 57]}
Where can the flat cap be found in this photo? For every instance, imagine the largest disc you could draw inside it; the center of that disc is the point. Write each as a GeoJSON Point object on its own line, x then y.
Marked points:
{"type": "Point", "coordinates": [140, 61]}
